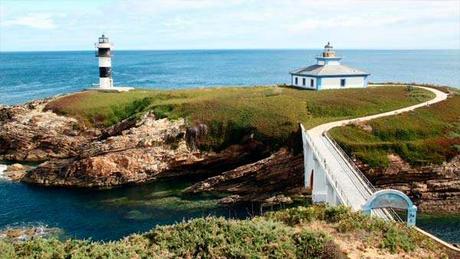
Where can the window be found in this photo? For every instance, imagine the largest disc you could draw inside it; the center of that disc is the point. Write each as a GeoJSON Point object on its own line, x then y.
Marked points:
{"type": "Point", "coordinates": [342, 82]}
{"type": "Point", "coordinates": [312, 82]}
{"type": "Point", "coordinates": [303, 81]}
{"type": "Point", "coordinates": [296, 80]}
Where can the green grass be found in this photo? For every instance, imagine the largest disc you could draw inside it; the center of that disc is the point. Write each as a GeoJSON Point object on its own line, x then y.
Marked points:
{"type": "Point", "coordinates": [429, 135]}
{"type": "Point", "coordinates": [272, 114]}
{"type": "Point", "coordinates": [282, 234]}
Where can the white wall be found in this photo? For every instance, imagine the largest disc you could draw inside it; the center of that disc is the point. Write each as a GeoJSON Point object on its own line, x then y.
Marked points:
{"type": "Point", "coordinates": [105, 62]}
{"type": "Point", "coordinates": [105, 82]}
{"type": "Point", "coordinates": [328, 62]}
{"type": "Point", "coordinates": [334, 82]}
{"type": "Point", "coordinates": [300, 81]}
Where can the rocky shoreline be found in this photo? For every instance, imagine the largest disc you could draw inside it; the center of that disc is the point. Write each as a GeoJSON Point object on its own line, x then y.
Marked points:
{"type": "Point", "coordinates": [139, 150]}
{"type": "Point", "coordinates": [434, 188]}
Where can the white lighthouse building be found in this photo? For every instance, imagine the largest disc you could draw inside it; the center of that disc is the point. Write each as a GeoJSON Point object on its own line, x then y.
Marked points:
{"type": "Point", "coordinates": [328, 73]}
{"type": "Point", "coordinates": [104, 54]}
{"type": "Point", "coordinates": [105, 62]}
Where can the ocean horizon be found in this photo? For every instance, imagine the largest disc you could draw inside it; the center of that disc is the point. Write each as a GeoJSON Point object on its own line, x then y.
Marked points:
{"type": "Point", "coordinates": [29, 75]}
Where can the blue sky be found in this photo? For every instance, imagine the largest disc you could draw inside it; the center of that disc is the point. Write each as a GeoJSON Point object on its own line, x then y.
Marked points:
{"type": "Point", "coordinates": [225, 24]}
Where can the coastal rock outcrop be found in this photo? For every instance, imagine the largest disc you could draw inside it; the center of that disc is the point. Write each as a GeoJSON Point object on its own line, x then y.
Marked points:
{"type": "Point", "coordinates": [138, 150]}
{"type": "Point", "coordinates": [151, 149]}
{"type": "Point", "coordinates": [268, 181]}
{"type": "Point", "coordinates": [20, 234]}
{"type": "Point", "coordinates": [27, 133]}
{"type": "Point", "coordinates": [434, 188]}
{"type": "Point", "coordinates": [16, 172]}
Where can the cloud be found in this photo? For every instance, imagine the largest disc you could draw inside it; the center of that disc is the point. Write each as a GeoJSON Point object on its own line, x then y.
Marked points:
{"type": "Point", "coordinates": [343, 22]}
{"type": "Point", "coordinates": [167, 6]}
{"type": "Point", "coordinates": [182, 24]}
{"type": "Point", "coordinates": [35, 21]}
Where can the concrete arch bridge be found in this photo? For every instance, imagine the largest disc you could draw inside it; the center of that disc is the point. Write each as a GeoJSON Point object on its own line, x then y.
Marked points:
{"type": "Point", "coordinates": [335, 179]}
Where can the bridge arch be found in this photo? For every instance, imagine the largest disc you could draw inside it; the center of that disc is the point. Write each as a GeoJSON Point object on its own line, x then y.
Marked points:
{"type": "Point", "coordinates": [389, 198]}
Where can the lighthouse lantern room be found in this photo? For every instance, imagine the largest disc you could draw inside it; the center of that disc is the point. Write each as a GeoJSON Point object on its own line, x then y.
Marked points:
{"type": "Point", "coordinates": [105, 62]}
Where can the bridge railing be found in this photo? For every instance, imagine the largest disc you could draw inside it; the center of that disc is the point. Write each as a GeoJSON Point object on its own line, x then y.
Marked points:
{"type": "Point", "coordinates": [360, 175]}
{"type": "Point", "coordinates": [389, 212]}
{"type": "Point", "coordinates": [322, 163]}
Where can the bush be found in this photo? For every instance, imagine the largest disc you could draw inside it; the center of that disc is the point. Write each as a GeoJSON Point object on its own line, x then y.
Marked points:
{"type": "Point", "coordinates": [217, 237]}
{"type": "Point", "coordinates": [7, 250]}
{"type": "Point", "coordinates": [295, 216]}
{"type": "Point", "coordinates": [395, 239]}
{"type": "Point", "coordinates": [311, 244]}
{"type": "Point", "coordinates": [267, 236]}
{"type": "Point", "coordinates": [336, 214]}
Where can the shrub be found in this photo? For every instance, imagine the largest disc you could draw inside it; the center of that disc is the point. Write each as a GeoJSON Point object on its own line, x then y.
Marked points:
{"type": "Point", "coordinates": [163, 111]}
{"type": "Point", "coordinates": [261, 237]}
{"type": "Point", "coordinates": [336, 214]}
{"type": "Point", "coordinates": [395, 239]}
{"type": "Point", "coordinates": [295, 216]}
{"type": "Point", "coordinates": [7, 250]}
{"type": "Point", "coordinates": [311, 244]}
{"type": "Point", "coordinates": [217, 237]}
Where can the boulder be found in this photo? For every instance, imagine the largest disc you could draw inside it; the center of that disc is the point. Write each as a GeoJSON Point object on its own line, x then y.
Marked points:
{"type": "Point", "coordinates": [16, 171]}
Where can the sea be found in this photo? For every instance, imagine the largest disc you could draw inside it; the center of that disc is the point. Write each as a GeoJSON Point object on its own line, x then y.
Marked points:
{"type": "Point", "coordinates": [25, 76]}
{"type": "Point", "coordinates": [112, 214]}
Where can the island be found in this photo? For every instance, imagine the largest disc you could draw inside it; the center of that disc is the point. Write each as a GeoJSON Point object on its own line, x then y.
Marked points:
{"type": "Point", "coordinates": [243, 142]}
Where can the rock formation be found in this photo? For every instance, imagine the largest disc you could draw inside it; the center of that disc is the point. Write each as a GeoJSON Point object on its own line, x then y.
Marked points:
{"type": "Point", "coordinates": [27, 133]}
{"type": "Point", "coordinates": [433, 188]}
{"type": "Point", "coordinates": [138, 150]}
{"type": "Point", "coordinates": [16, 172]}
{"type": "Point", "coordinates": [149, 150]}
{"type": "Point", "coordinates": [266, 181]}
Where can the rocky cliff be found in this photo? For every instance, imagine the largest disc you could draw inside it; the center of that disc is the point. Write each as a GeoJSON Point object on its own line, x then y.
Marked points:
{"type": "Point", "coordinates": [270, 181]}
{"type": "Point", "coordinates": [132, 151]}
{"type": "Point", "coordinates": [27, 133]}
{"type": "Point", "coordinates": [144, 149]}
{"type": "Point", "coordinates": [434, 188]}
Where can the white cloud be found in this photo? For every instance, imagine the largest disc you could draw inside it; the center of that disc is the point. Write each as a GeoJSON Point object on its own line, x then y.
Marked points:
{"type": "Point", "coordinates": [165, 24]}
{"type": "Point", "coordinates": [165, 6]}
{"type": "Point", "coordinates": [342, 22]}
{"type": "Point", "coordinates": [36, 21]}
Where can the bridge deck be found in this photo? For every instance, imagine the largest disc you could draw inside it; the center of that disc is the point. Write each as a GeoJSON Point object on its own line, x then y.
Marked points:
{"type": "Point", "coordinates": [354, 186]}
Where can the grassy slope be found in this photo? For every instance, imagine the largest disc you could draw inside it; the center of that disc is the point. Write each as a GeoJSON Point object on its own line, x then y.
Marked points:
{"type": "Point", "coordinates": [292, 233]}
{"type": "Point", "coordinates": [427, 135]}
{"type": "Point", "coordinates": [271, 113]}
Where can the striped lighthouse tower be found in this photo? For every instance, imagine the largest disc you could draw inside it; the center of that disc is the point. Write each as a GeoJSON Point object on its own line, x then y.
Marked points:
{"type": "Point", "coordinates": [105, 62]}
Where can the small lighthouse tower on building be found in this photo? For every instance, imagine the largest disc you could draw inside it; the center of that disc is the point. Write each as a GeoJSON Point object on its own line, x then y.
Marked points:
{"type": "Point", "coordinates": [105, 62]}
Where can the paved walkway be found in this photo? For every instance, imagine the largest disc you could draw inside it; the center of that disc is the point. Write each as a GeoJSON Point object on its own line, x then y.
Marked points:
{"type": "Point", "coordinates": [350, 181]}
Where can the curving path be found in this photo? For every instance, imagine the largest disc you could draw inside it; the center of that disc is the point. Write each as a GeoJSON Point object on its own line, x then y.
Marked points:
{"type": "Point", "coordinates": [349, 180]}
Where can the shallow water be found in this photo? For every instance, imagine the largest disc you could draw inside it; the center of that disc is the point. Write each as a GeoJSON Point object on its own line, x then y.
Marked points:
{"type": "Point", "coordinates": [106, 214]}
{"type": "Point", "coordinates": [444, 226]}
{"type": "Point", "coordinates": [112, 214]}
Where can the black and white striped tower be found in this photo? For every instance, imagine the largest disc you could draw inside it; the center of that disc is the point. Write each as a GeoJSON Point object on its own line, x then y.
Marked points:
{"type": "Point", "coordinates": [105, 62]}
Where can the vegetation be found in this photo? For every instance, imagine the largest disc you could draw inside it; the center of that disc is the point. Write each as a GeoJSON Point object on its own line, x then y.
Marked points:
{"type": "Point", "coordinates": [429, 135]}
{"type": "Point", "coordinates": [283, 234]}
{"type": "Point", "coordinates": [272, 114]}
